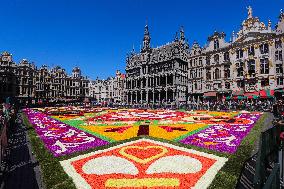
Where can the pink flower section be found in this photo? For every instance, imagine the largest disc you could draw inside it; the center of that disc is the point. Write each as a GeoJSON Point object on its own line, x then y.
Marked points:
{"type": "Point", "coordinates": [60, 138]}
{"type": "Point", "coordinates": [223, 137]}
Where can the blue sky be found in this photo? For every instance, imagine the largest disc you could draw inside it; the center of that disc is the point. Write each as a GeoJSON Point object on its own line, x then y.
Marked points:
{"type": "Point", "coordinates": [97, 35]}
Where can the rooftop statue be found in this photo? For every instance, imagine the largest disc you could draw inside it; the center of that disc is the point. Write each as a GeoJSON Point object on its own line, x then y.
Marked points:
{"type": "Point", "coordinates": [249, 12]}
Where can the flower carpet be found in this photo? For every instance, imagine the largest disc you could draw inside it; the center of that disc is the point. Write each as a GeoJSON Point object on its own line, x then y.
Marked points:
{"type": "Point", "coordinates": [143, 163]}
{"type": "Point", "coordinates": [136, 148]}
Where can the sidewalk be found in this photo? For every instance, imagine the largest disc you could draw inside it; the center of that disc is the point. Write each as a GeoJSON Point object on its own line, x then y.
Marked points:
{"type": "Point", "coordinates": [23, 171]}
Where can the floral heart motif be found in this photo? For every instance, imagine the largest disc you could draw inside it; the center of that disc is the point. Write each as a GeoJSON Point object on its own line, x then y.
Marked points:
{"type": "Point", "coordinates": [143, 154]}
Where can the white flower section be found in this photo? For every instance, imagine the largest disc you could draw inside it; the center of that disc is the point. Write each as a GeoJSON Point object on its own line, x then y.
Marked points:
{"type": "Point", "coordinates": [109, 165]}
{"type": "Point", "coordinates": [175, 164]}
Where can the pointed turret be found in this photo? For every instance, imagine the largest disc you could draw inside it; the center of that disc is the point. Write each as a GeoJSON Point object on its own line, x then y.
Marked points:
{"type": "Point", "coordinates": [146, 39]}
{"type": "Point", "coordinates": [281, 16]}
{"type": "Point", "coordinates": [280, 25]}
{"type": "Point", "coordinates": [176, 37]}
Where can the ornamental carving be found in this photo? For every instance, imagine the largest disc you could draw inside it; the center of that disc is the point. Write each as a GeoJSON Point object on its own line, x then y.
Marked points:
{"type": "Point", "coordinates": [270, 43]}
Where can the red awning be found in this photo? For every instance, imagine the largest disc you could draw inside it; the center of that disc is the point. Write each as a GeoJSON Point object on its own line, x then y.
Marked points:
{"type": "Point", "coordinates": [266, 93]}
{"type": "Point", "coordinates": [238, 93]}
{"type": "Point", "coordinates": [213, 93]}
{"type": "Point", "coordinates": [252, 95]}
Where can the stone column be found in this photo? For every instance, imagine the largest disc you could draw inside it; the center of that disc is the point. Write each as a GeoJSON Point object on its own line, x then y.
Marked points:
{"type": "Point", "coordinates": [166, 79]}
{"type": "Point", "coordinates": [166, 95]}
{"type": "Point", "coordinates": [147, 96]}
{"type": "Point", "coordinates": [159, 97]}
{"type": "Point", "coordinates": [147, 82]}
{"type": "Point", "coordinates": [131, 97]}
{"type": "Point", "coordinates": [153, 96]}
{"type": "Point", "coordinates": [136, 97]}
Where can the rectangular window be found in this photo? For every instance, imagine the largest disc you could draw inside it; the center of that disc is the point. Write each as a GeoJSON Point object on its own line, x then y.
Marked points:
{"type": "Point", "coordinates": [240, 69]}
{"type": "Point", "coordinates": [208, 75]}
{"type": "Point", "coordinates": [278, 55]}
{"type": "Point", "coordinates": [278, 44]}
{"type": "Point", "coordinates": [251, 51]}
{"type": "Point", "coordinates": [264, 48]}
{"type": "Point", "coordinates": [240, 53]}
{"type": "Point", "coordinates": [227, 85]}
{"type": "Point", "coordinates": [200, 61]}
{"type": "Point", "coordinates": [279, 68]}
{"type": "Point", "coordinates": [265, 82]}
{"type": "Point", "coordinates": [226, 56]}
{"type": "Point", "coordinates": [240, 83]}
{"type": "Point", "coordinates": [251, 68]}
{"type": "Point", "coordinates": [227, 71]}
{"type": "Point", "coordinates": [264, 66]}
{"type": "Point", "coordinates": [207, 60]}
{"type": "Point", "coordinates": [279, 81]}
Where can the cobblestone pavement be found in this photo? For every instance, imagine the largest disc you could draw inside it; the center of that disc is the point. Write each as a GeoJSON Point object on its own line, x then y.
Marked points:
{"type": "Point", "coordinates": [23, 170]}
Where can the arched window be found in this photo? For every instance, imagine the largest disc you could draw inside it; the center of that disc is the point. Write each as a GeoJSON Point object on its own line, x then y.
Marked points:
{"type": "Point", "coordinates": [216, 58]}
{"type": "Point", "coordinates": [217, 73]}
{"type": "Point", "coordinates": [226, 56]}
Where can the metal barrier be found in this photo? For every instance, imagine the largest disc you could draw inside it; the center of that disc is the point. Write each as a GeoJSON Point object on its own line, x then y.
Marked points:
{"type": "Point", "coordinates": [273, 180]}
{"type": "Point", "coordinates": [3, 149]}
{"type": "Point", "coordinates": [267, 157]}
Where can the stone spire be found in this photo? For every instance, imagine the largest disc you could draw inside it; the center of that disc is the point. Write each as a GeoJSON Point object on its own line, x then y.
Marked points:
{"type": "Point", "coordinates": [146, 39]}
{"type": "Point", "coordinates": [182, 38]}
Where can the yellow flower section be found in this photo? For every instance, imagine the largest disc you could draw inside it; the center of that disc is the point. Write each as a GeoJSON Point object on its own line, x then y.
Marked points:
{"type": "Point", "coordinates": [127, 134]}
{"type": "Point", "coordinates": [215, 113]}
{"type": "Point", "coordinates": [145, 182]}
{"type": "Point", "coordinates": [146, 160]}
{"type": "Point", "coordinates": [65, 118]}
{"type": "Point", "coordinates": [159, 132]}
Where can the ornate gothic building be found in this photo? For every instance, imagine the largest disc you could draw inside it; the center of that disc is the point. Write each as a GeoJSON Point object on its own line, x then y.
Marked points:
{"type": "Point", "coordinates": [249, 65]}
{"type": "Point", "coordinates": [27, 83]}
{"type": "Point", "coordinates": [158, 75]}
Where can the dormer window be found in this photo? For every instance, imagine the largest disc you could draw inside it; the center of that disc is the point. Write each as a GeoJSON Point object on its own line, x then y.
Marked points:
{"type": "Point", "coordinates": [216, 44]}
